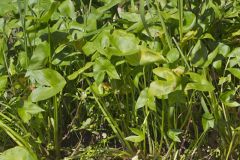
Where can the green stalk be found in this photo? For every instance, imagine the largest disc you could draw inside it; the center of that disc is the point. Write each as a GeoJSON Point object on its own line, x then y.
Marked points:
{"type": "Point", "coordinates": [168, 38]}
{"type": "Point", "coordinates": [111, 121]}
{"type": "Point", "coordinates": [230, 146]}
{"type": "Point", "coordinates": [180, 12]}
{"type": "Point", "coordinates": [142, 15]}
{"type": "Point", "coordinates": [56, 129]}
{"type": "Point", "coordinates": [181, 53]}
{"type": "Point", "coordinates": [162, 125]}
{"type": "Point", "coordinates": [55, 105]}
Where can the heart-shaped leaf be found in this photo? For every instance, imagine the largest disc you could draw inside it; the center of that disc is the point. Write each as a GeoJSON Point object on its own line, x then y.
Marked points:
{"type": "Point", "coordinates": [49, 83]}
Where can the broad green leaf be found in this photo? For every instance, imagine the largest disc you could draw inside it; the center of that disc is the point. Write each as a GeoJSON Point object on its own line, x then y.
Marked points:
{"type": "Point", "coordinates": [108, 5]}
{"type": "Point", "coordinates": [217, 64]}
{"type": "Point", "coordinates": [145, 99]}
{"type": "Point", "coordinates": [173, 134]}
{"type": "Point", "coordinates": [227, 99]}
{"type": "Point", "coordinates": [200, 83]}
{"type": "Point", "coordinates": [12, 68]}
{"type": "Point", "coordinates": [224, 49]}
{"type": "Point", "coordinates": [176, 98]}
{"type": "Point", "coordinates": [126, 43]}
{"type": "Point", "coordinates": [49, 83]}
{"type": "Point", "coordinates": [189, 21]}
{"type": "Point", "coordinates": [3, 48]}
{"type": "Point", "coordinates": [135, 139]}
{"type": "Point", "coordinates": [3, 82]}
{"type": "Point", "coordinates": [131, 17]}
{"type": "Point", "coordinates": [173, 55]}
{"type": "Point", "coordinates": [235, 52]}
{"type": "Point", "coordinates": [142, 99]}
{"type": "Point", "coordinates": [166, 85]}
{"type": "Point", "coordinates": [145, 56]}
{"type": "Point", "coordinates": [23, 59]}
{"type": "Point", "coordinates": [137, 132]}
{"type": "Point", "coordinates": [91, 24]}
{"type": "Point", "coordinates": [40, 56]}
{"type": "Point", "coordinates": [7, 6]}
{"type": "Point", "coordinates": [81, 70]}
{"type": "Point", "coordinates": [199, 54]}
{"type": "Point", "coordinates": [67, 9]}
{"type": "Point", "coordinates": [138, 137]}
{"type": "Point", "coordinates": [89, 48]}
{"type": "Point", "coordinates": [28, 110]}
{"type": "Point", "coordinates": [65, 58]}
{"type": "Point", "coordinates": [102, 66]}
{"type": "Point", "coordinates": [235, 72]}
{"type": "Point", "coordinates": [47, 16]}
{"type": "Point", "coordinates": [17, 153]}
{"type": "Point", "coordinates": [211, 57]}
{"type": "Point", "coordinates": [207, 121]}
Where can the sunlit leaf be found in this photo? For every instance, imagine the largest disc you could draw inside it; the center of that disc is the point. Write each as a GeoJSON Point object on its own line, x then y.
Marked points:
{"type": "Point", "coordinates": [3, 82]}
{"type": "Point", "coordinates": [40, 56]}
{"type": "Point", "coordinates": [17, 153]}
{"type": "Point", "coordinates": [102, 66]}
{"type": "Point", "coordinates": [28, 110]}
{"type": "Point", "coordinates": [165, 85]}
{"type": "Point", "coordinates": [145, 56]}
{"type": "Point", "coordinates": [173, 134]}
{"type": "Point", "coordinates": [227, 99]}
{"type": "Point", "coordinates": [67, 9]}
{"type": "Point", "coordinates": [207, 121]}
{"type": "Point", "coordinates": [81, 70]}
{"type": "Point", "coordinates": [235, 72]}
{"type": "Point", "coordinates": [200, 83]}
{"type": "Point", "coordinates": [189, 21]}
{"type": "Point", "coordinates": [49, 82]}
{"type": "Point", "coordinates": [126, 43]}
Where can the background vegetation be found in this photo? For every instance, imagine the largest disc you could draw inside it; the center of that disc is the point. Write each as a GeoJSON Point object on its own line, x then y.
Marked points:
{"type": "Point", "coordinates": [119, 79]}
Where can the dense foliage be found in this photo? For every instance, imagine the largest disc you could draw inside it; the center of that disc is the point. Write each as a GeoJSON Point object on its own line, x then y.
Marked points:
{"type": "Point", "coordinates": [119, 79]}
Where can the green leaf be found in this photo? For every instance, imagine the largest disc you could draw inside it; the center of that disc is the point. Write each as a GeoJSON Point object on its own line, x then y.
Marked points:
{"type": "Point", "coordinates": [235, 72]}
{"type": "Point", "coordinates": [102, 66]}
{"type": "Point", "coordinates": [166, 85]}
{"type": "Point", "coordinates": [49, 83]}
{"type": "Point", "coordinates": [145, 56]}
{"type": "Point", "coordinates": [67, 9]}
{"type": "Point", "coordinates": [227, 99]}
{"type": "Point", "coordinates": [47, 16]}
{"type": "Point", "coordinates": [138, 137]}
{"type": "Point", "coordinates": [28, 110]}
{"type": "Point", "coordinates": [207, 121]}
{"type": "Point", "coordinates": [40, 56]}
{"type": "Point", "coordinates": [199, 54]}
{"type": "Point", "coordinates": [235, 52]}
{"type": "Point", "coordinates": [142, 99]}
{"type": "Point", "coordinates": [126, 43]}
{"type": "Point", "coordinates": [211, 57]}
{"type": "Point", "coordinates": [189, 21]}
{"type": "Point", "coordinates": [173, 55]}
{"type": "Point", "coordinates": [201, 83]}
{"type": "Point", "coordinates": [107, 6]}
{"type": "Point", "coordinates": [81, 70]}
{"type": "Point", "coordinates": [173, 134]}
{"type": "Point", "coordinates": [7, 6]}
{"type": "Point", "coordinates": [224, 49]}
{"type": "Point", "coordinates": [131, 17]}
{"type": "Point", "coordinates": [23, 59]}
{"type": "Point", "coordinates": [17, 153]}
{"type": "Point", "coordinates": [135, 139]}
{"type": "Point", "coordinates": [3, 82]}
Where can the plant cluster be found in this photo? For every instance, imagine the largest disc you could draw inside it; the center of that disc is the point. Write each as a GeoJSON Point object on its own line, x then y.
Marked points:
{"type": "Point", "coordinates": [119, 79]}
